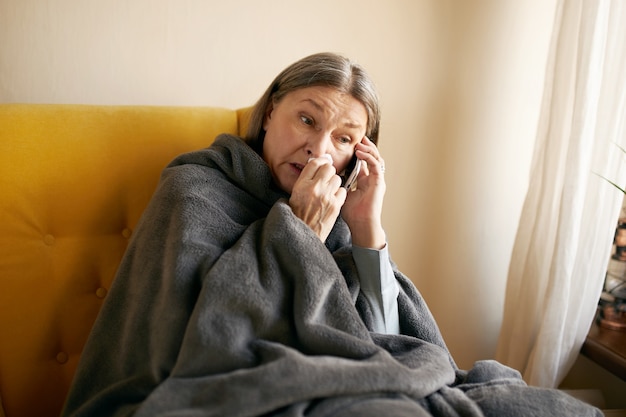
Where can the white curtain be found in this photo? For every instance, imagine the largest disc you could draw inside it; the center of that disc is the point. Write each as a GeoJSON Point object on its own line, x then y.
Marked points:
{"type": "Point", "coordinates": [569, 216]}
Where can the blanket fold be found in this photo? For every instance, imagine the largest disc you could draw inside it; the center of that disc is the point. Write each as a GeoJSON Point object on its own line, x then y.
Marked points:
{"type": "Point", "coordinates": [227, 304]}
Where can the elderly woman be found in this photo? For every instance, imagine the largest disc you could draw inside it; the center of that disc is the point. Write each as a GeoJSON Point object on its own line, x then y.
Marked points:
{"type": "Point", "coordinates": [258, 284]}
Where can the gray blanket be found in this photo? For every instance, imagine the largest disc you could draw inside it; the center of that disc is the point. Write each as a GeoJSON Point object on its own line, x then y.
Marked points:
{"type": "Point", "coordinates": [226, 304]}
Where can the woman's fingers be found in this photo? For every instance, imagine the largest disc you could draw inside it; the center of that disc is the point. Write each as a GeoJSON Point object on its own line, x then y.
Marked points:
{"type": "Point", "coordinates": [317, 196]}
{"type": "Point", "coordinates": [368, 152]}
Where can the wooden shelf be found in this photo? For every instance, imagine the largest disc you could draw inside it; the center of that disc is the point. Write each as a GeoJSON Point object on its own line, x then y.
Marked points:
{"type": "Point", "coordinates": [607, 348]}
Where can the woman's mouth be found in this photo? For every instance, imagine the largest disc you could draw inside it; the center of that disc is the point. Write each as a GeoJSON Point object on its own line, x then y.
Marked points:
{"type": "Point", "coordinates": [297, 167]}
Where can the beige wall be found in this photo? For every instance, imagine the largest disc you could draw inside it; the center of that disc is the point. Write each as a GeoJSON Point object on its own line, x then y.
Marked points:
{"type": "Point", "coordinates": [460, 81]}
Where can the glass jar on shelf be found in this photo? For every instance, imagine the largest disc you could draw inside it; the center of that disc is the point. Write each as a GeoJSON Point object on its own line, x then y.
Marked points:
{"type": "Point", "coordinates": [612, 303]}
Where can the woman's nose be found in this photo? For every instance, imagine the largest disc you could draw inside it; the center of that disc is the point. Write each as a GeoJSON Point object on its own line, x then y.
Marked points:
{"type": "Point", "coordinates": [318, 145]}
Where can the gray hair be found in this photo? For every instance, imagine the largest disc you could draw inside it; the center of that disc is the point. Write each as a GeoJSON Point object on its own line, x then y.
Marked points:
{"type": "Point", "coordinates": [322, 69]}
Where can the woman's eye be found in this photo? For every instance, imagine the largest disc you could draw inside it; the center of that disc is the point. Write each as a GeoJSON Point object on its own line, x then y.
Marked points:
{"type": "Point", "coordinates": [345, 139]}
{"type": "Point", "coordinates": [306, 120]}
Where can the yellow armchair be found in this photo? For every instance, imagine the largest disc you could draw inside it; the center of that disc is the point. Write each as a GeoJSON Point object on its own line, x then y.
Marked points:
{"type": "Point", "coordinates": [74, 181]}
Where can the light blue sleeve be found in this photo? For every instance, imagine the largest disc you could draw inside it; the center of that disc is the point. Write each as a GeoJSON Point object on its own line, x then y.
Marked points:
{"type": "Point", "coordinates": [379, 286]}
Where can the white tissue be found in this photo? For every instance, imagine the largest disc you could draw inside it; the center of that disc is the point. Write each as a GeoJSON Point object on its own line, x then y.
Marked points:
{"type": "Point", "coordinates": [326, 155]}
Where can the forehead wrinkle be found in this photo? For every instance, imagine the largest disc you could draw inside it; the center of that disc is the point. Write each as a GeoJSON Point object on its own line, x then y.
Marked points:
{"type": "Point", "coordinates": [314, 103]}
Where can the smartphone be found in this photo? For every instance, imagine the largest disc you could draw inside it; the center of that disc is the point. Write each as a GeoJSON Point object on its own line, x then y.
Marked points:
{"type": "Point", "coordinates": [351, 173]}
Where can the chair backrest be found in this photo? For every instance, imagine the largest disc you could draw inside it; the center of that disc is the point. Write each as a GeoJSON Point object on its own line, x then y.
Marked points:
{"type": "Point", "coordinates": [74, 181]}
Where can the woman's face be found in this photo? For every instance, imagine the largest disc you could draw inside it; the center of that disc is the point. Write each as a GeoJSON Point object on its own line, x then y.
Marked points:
{"type": "Point", "coordinates": [308, 123]}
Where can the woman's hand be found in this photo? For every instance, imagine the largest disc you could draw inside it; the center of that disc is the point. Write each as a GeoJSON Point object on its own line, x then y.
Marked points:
{"type": "Point", "coordinates": [317, 196]}
{"type": "Point", "coordinates": [363, 208]}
